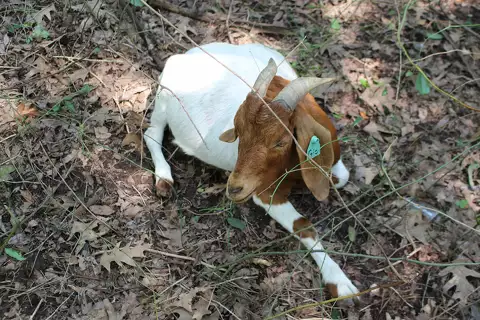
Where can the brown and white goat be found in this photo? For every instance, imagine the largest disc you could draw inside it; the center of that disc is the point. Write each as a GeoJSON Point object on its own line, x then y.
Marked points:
{"type": "Point", "coordinates": [253, 144]}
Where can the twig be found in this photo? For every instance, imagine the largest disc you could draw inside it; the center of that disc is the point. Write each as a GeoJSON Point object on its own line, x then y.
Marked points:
{"type": "Point", "coordinates": [58, 308]}
{"type": "Point", "coordinates": [228, 24]}
{"type": "Point", "coordinates": [36, 309]}
{"type": "Point", "coordinates": [357, 255]}
{"type": "Point", "coordinates": [206, 17]}
{"type": "Point", "coordinates": [228, 310]}
{"type": "Point", "coordinates": [9, 137]}
{"type": "Point", "coordinates": [399, 261]}
{"type": "Point", "coordinates": [173, 255]}
{"type": "Point", "coordinates": [440, 53]}
{"type": "Point", "coordinates": [69, 58]}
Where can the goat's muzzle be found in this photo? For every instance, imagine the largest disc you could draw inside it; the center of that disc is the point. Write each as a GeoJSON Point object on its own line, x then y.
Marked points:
{"type": "Point", "coordinates": [239, 190]}
{"type": "Point", "coordinates": [238, 194]}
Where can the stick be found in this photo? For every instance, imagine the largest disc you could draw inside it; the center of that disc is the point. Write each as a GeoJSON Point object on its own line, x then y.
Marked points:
{"type": "Point", "coordinates": [206, 17]}
{"type": "Point", "coordinates": [173, 255]}
{"type": "Point", "coordinates": [36, 309]}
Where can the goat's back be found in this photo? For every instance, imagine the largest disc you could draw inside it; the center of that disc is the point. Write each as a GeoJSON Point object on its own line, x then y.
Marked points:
{"type": "Point", "coordinates": [211, 95]}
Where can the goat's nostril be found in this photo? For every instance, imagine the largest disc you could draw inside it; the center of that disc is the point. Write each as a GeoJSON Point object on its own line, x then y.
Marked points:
{"type": "Point", "coordinates": [235, 190]}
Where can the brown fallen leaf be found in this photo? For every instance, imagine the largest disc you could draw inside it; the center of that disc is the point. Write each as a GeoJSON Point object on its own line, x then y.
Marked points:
{"type": "Point", "coordinates": [27, 195]}
{"type": "Point", "coordinates": [136, 120]}
{"type": "Point", "coordinates": [87, 233]}
{"type": "Point", "coordinates": [39, 15]}
{"type": "Point", "coordinates": [134, 138]}
{"type": "Point", "coordinates": [182, 314]}
{"type": "Point", "coordinates": [463, 288]}
{"type": "Point", "coordinates": [362, 171]}
{"type": "Point", "coordinates": [26, 111]}
{"type": "Point", "coordinates": [414, 225]}
{"type": "Point", "coordinates": [132, 211]}
{"type": "Point", "coordinates": [102, 133]}
{"type": "Point", "coordinates": [102, 210]}
{"type": "Point", "coordinates": [123, 255]}
{"type": "Point", "coordinates": [196, 301]}
{"type": "Point", "coordinates": [215, 189]}
{"type": "Point", "coordinates": [78, 74]}
{"type": "Point", "coordinates": [372, 128]}
{"type": "Point", "coordinates": [261, 262]}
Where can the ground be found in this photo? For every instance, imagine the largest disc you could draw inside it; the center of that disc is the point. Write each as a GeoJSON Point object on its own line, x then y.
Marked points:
{"type": "Point", "coordinates": [83, 235]}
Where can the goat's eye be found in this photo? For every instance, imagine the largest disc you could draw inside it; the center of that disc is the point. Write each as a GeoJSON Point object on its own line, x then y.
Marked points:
{"type": "Point", "coordinates": [279, 144]}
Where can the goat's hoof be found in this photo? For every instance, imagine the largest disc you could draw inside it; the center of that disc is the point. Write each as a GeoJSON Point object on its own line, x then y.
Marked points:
{"type": "Point", "coordinates": [342, 290]}
{"type": "Point", "coordinates": [164, 188]}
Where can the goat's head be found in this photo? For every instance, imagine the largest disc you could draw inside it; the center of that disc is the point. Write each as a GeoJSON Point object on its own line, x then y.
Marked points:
{"type": "Point", "coordinates": [266, 149]}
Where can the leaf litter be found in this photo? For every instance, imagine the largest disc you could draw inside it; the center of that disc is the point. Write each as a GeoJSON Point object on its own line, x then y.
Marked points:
{"type": "Point", "coordinates": [93, 140]}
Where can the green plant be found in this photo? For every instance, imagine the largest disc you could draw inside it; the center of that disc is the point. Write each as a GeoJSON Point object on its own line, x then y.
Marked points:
{"type": "Point", "coordinates": [67, 101]}
{"type": "Point", "coordinates": [38, 33]}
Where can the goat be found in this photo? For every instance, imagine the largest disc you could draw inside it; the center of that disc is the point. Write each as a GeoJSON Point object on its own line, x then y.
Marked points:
{"type": "Point", "coordinates": [241, 135]}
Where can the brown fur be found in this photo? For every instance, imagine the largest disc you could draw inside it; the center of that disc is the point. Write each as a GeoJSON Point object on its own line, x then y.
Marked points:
{"type": "Point", "coordinates": [266, 150]}
{"type": "Point", "coordinates": [306, 226]}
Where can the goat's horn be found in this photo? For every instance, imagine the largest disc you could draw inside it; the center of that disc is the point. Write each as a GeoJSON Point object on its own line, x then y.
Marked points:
{"type": "Point", "coordinates": [265, 77]}
{"type": "Point", "coordinates": [297, 89]}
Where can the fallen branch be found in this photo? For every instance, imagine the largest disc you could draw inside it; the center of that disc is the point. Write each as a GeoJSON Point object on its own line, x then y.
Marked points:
{"type": "Point", "coordinates": [168, 254]}
{"type": "Point", "coordinates": [207, 17]}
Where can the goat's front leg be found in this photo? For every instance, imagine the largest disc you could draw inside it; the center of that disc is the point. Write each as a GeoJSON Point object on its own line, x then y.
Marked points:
{"type": "Point", "coordinates": [337, 282]}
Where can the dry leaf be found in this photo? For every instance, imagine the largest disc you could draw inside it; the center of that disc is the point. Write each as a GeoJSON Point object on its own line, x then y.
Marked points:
{"type": "Point", "coordinates": [183, 25]}
{"type": "Point", "coordinates": [102, 210]}
{"type": "Point", "coordinates": [198, 305]}
{"type": "Point", "coordinates": [86, 233]}
{"type": "Point", "coordinates": [27, 195]}
{"type": "Point", "coordinates": [45, 12]}
{"type": "Point", "coordinates": [134, 138]}
{"type": "Point", "coordinates": [414, 225]}
{"type": "Point", "coordinates": [93, 7]}
{"type": "Point", "coordinates": [132, 211]}
{"type": "Point", "coordinates": [123, 255]}
{"type": "Point", "coordinates": [463, 288]}
{"type": "Point", "coordinates": [182, 314]}
{"type": "Point", "coordinates": [28, 111]}
{"type": "Point", "coordinates": [364, 172]}
{"type": "Point", "coordinates": [78, 74]}
{"type": "Point", "coordinates": [215, 189]}
{"type": "Point", "coordinates": [4, 41]}
{"type": "Point", "coordinates": [102, 133]}
{"type": "Point", "coordinates": [376, 98]}
{"type": "Point", "coordinates": [136, 120]}
{"type": "Point", "coordinates": [262, 262]}
{"type": "Point", "coordinates": [372, 128]}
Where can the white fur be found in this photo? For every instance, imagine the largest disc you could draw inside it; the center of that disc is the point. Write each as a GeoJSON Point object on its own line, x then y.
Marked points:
{"type": "Point", "coordinates": [341, 172]}
{"type": "Point", "coordinates": [211, 95]}
{"type": "Point", "coordinates": [285, 214]}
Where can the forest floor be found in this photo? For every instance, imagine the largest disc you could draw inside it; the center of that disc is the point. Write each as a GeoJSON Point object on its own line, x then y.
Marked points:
{"type": "Point", "coordinates": [83, 235]}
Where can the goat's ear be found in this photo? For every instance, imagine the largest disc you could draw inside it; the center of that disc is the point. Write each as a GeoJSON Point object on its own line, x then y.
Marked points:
{"type": "Point", "coordinates": [317, 181]}
{"type": "Point", "coordinates": [228, 136]}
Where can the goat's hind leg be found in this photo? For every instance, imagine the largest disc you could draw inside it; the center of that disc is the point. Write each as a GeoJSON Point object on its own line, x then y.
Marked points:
{"type": "Point", "coordinates": [338, 284]}
{"type": "Point", "coordinates": [153, 138]}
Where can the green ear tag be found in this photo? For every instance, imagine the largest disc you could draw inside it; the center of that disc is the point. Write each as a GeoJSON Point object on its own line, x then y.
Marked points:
{"type": "Point", "coordinates": [313, 147]}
